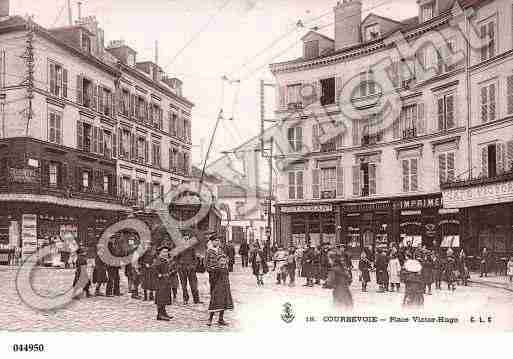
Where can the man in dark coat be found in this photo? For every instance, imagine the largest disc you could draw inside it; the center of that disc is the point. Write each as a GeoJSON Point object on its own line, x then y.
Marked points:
{"type": "Point", "coordinates": [81, 269]}
{"type": "Point", "coordinates": [99, 274]}
{"type": "Point", "coordinates": [230, 252]}
{"type": "Point", "coordinates": [382, 271]}
{"type": "Point", "coordinates": [113, 274]}
{"type": "Point", "coordinates": [187, 263]}
{"type": "Point", "coordinates": [163, 270]}
{"type": "Point", "coordinates": [485, 262]}
{"type": "Point", "coordinates": [244, 253]}
{"type": "Point", "coordinates": [308, 271]}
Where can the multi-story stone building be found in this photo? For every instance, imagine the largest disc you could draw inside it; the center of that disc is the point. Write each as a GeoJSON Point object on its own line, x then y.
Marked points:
{"type": "Point", "coordinates": [438, 117]}
{"type": "Point", "coordinates": [106, 134]}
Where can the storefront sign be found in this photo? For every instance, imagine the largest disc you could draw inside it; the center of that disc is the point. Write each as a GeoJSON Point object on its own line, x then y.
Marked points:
{"type": "Point", "coordinates": [433, 202]}
{"type": "Point", "coordinates": [478, 195]}
{"type": "Point", "coordinates": [23, 175]}
{"type": "Point", "coordinates": [303, 209]}
{"type": "Point", "coordinates": [367, 206]}
{"type": "Point", "coordinates": [28, 235]}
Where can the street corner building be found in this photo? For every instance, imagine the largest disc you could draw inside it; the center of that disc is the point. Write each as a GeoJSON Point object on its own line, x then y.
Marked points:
{"type": "Point", "coordinates": [88, 135]}
{"type": "Point", "coordinates": [441, 171]}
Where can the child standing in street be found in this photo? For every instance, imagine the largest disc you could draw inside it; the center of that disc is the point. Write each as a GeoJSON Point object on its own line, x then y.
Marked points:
{"type": "Point", "coordinates": [291, 266]}
{"type": "Point", "coordinates": [394, 270]}
{"type": "Point", "coordinates": [364, 266]}
{"type": "Point", "coordinates": [437, 271]}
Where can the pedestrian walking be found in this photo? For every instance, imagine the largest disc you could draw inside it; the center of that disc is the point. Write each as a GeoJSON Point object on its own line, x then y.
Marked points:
{"type": "Point", "coordinates": [364, 265]}
{"type": "Point", "coordinates": [324, 265]}
{"type": "Point", "coordinates": [81, 271]}
{"type": "Point", "coordinates": [291, 266]}
{"type": "Point", "coordinates": [450, 270]}
{"type": "Point", "coordinates": [307, 266]}
{"type": "Point", "coordinates": [437, 270]}
{"type": "Point", "coordinates": [230, 252]}
{"type": "Point", "coordinates": [381, 265]}
{"type": "Point", "coordinates": [413, 283]}
{"type": "Point", "coordinates": [220, 291]}
{"type": "Point", "coordinates": [163, 271]}
{"type": "Point", "coordinates": [149, 284]}
{"type": "Point", "coordinates": [427, 272]}
{"type": "Point", "coordinates": [258, 264]}
{"type": "Point", "coordinates": [463, 268]}
{"type": "Point", "coordinates": [99, 273]}
{"type": "Point", "coordinates": [485, 262]}
{"type": "Point", "coordinates": [113, 285]}
{"type": "Point", "coordinates": [280, 264]}
{"type": "Point", "coordinates": [509, 269]}
{"type": "Point", "coordinates": [339, 279]}
{"type": "Point", "coordinates": [133, 274]}
{"type": "Point", "coordinates": [244, 253]}
{"type": "Point", "coordinates": [188, 263]}
{"type": "Point", "coordinates": [394, 271]}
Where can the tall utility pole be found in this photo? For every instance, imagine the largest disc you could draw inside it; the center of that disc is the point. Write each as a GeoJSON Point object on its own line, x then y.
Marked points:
{"type": "Point", "coordinates": [268, 155]}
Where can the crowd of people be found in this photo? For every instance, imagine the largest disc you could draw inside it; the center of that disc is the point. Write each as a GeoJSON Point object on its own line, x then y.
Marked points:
{"type": "Point", "coordinates": [156, 276]}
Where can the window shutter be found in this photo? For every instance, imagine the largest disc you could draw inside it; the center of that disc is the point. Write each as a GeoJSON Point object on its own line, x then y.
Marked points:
{"type": "Point", "coordinates": [441, 114]}
{"type": "Point", "coordinates": [315, 183]}
{"type": "Point", "coordinates": [338, 89]}
{"type": "Point", "coordinates": [100, 141]}
{"type": "Point", "coordinates": [45, 173]}
{"type": "Point", "coordinates": [414, 183]}
{"type": "Point", "coordinates": [101, 104]}
{"type": "Point", "coordinates": [94, 97]}
{"type": "Point", "coordinates": [292, 184]}
{"type": "Point", "coordinates": [132, 106]}
{"type": "Point", "coordinates": [340, 181]}
{"type": "Point", "coordinates": [64, 83]}
{"type": "Point", "coordinates": [450, 167]}
{"type": "Point", "coordinates": [120, 144]}
{"type": "Point", "coordinates": [151, 192]}
{"type": "Point", "coordinates": [119, 101]}
{"type": "Point", "coordinates": [449, 111]}
{"type": "Point", "coordinates": [146, 151]}
{"type": "Point", "coordinates": [315, 137]}
{"type": "Point", "coordinates": [406, 175]}
{"type": "Point", "coordinates": [78, 178]}
{"type": "Point", "coordinates": [421, 120]}
{"type": "Point", "coordinates": [94, 147]}
{"type": "Point", "coordinates": [114, 144]}
{"type": "Point", "coordinates": [492, 102]}
{"type": "Point", "coordinates": [299, 139]}
{"type": "Point", "coordinates": [134, 189]}
{"type": "Point", "coordinates": [509, 93]}
{"type": "Point", "coordinates": [80, 135]}
{"type": "Point", "coordinates": [442, 168]}
{"type": "Point", "coordinates": [162, 191]}
{"type": "Point", "coordinates": [491, 33]}
{"type": "Point", "coordinates": [132, 146]}
{"type": "Point", "coordinates": [299, 185]}
{"type": "Point", "coordinates": [484, 49]}
{"type": "Point", "coordinates": [484, 161]}
{"type": "Point", "coordinates": [501, 150]}
{"type": "Point", "coordinates": [373, 178]}
{"type": "Point", "coordinates": [80, 90]}
{"type": "Point", "coordinates": [356, 138]}
{"type": "Point", "coordinates": [339, 141]}
{"type": "Point", "coordinates": [356, 181]}
{"type": "Point", "coordinates": [63, 172]}
{"type": "Point", "coordinates": [53, 77]}
{"type": "Point", "coordinates": [509, 156]}
{"type": "Point", "coordinates": [147, 194]}
{"type": "Point", "coordinates": [282, 93]}
{"type": "Point", "coordinates": [484, 104]}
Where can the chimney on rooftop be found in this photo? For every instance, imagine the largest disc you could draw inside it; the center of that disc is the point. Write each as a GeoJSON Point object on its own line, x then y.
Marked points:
{"type": "Point", "coordinates": [348, 18]}
{"type": "Point", "coordinates": [4, 8]}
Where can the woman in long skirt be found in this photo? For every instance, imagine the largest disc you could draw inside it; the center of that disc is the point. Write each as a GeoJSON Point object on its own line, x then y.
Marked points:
{"type": "Point", "coordinates": [220, 292]}
{"type": "Point", "coordinates": [99, 274]}
{"type": "Point", "coordinates": [364, 266]}
{"type": "Point", "coordinates": [146, 263]}
{"type": "Point", "coordinates": [259, 265]}
{"type": "Point", "coordinates": [339, 279]}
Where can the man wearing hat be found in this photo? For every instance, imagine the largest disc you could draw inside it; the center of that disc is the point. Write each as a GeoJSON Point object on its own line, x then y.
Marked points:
{"type": "Point", "coordinates": [163, 271]}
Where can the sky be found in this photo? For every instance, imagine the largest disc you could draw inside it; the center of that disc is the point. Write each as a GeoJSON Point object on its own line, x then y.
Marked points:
{"type": "Point", "coordinates": [200, 41]}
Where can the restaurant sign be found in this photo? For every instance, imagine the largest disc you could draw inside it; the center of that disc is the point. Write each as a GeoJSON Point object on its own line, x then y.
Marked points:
{"type": "Point", "coordinates": [478, 195]}
{"type": "Point", "coordinates": [306, 209]}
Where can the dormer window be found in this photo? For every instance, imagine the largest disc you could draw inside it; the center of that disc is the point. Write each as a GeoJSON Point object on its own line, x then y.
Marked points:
{"type": "Point", "coordinates": [311, 49]}
{"type": "Point", "coordinates": [427, 11]}
{"type": "Point", "coordinates": [86, 43]}
{"type": "Point", "coordinates": [130, 60]}
{"type": "Point", "coordinates": [372, 32]}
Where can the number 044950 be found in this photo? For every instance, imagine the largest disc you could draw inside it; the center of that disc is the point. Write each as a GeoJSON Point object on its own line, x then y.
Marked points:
{"type": "Point", "coordinates": [28, 348]}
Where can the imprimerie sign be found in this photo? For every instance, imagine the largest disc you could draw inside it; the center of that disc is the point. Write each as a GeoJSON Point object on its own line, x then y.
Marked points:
{"type": "Point", "coordinates": [312, 208]}
{"type": "Point", "coordinates": [480, 195]}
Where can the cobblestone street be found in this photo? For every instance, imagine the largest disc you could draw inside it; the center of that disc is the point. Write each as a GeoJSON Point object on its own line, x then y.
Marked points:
{"type": "Point", "coordinates": [255, 308]}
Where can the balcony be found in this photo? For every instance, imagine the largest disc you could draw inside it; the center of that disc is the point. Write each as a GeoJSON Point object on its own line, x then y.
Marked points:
{"type": "Point", "coordinates": [478, 180]}
{"type": "Point", "coordinates": [409, 133]}
{"type": "Point", "coordinates": [368, 140]}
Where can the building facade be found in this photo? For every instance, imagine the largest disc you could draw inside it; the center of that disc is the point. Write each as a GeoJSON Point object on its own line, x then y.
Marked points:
{"type": "Point", "coordinates": [374, 174]}
{"type": "Point", "coordinates": [87, 134]}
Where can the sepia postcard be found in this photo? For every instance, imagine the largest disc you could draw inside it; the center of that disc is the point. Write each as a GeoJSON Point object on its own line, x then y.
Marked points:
{"type": "Point", "coordinates": [236, 166]}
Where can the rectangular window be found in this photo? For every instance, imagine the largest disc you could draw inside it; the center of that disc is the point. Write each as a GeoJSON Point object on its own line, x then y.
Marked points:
{"type": "Point", "coordinates": [173, 123]}
{"type": "Point", "coordinates": [125, 103]}
{"type": "Point", "coordinates": [156, 190]}
{"type": "Point", "coordinates": [367, 84]}
{"type": "Point", "coordinates": [488, 103]}
{"type": "Point", "coordinates": [125, 186]}
{"type": "Point", "coordinates": [446, 167]}
{"type": "Point", "coordinates": [365, 179]}
{"type": "Point", "coordinates": [311, 49]}
{"type": "Point", "coordinates": [295, 137]}
{"type": "Point", "coordinates": [106, 184]}
{"type": "Point", "coordinates": [488, 35]}
{"type": "Point", "coordinates": [328, 179]}
{"type": "Point", "coordinates": [446, 119]}
{"type": "Point", "coordinates": [410, 174]}
{"type": "Point", "coordinates": [409, 121]}
{"type": "Point", "coordinates": [427, 11]}
{"type": "Point", "coordinates": [328, 91]}
{"type": "Point", "coordinates": [294, 95]}
{"type": "Point", "coordinates": [85, 179]}
{"type": "Point", "coordinates": [86, 43]}
{"type": "Point", "coordinates": [372, 32]}
{"type": "Point", "coordinates": [107, 144]}
{"type": "Point", "coordinates": [58, 79]}
{"type": "Point", "coordinates": [55, 128]}
{"type": "Point", "coordinates": [140, 192]}
{"type": "Point", "coordinates": [296, 185]}
{"type": "Point", "coordinates": [495, 158]}
{"type": "Point", "coordinates": [105, 101]}
{"type": "Point", "coordinates": [509, 94]}
{"type": "Point", "coordinates": [141, 147]}
{"type": "Point", "coordinates": [155, 157]}
{"type": "Point", "coordinates": [53, 174]}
